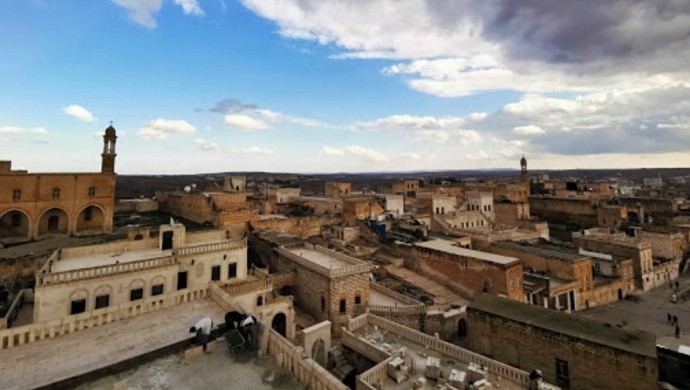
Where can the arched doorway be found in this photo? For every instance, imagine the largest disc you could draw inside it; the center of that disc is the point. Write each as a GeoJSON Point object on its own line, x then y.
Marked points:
{"type": "Point", "coordinates": [14, 224]}
{"type": "Point", "coordinates": [53, 221]}
{"type": "Point", "coordinates": [91, 220]}
{"type": "Point", "coordinates": [462, 328]}
{"type": "Point", "coordinates": [279, 324]}
{"type": "Point", "coordinates": [318, 352]}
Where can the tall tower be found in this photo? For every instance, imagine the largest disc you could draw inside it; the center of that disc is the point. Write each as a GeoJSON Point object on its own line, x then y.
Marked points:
{"type": "Point", "coordinates": [108, 155]}
{"type": "Point", "coordinates": [523, 170]}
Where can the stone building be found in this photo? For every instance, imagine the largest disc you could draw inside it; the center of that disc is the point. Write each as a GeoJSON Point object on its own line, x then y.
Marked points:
{"type": "Point", "coordinates": [472, 270]}
{"type": "Point", "coordinates": [35, 205]}
{"type": "Point", "coordinates": [649, 272]}
{"type": "Point", "coordinates": [571, 352]}
{"type": "Point", "coordinates": [406, 188]}
{"type": "Point", "coordinates": [337, 189]}
{"type": "Point", "coordinates": [361, 208]}
{"type": "Point", "coordinates": [83, 279]}
{"type": "Point", "coordinates": [328, 285]}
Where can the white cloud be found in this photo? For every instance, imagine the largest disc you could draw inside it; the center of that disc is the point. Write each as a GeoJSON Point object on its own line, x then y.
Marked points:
{"type": "Point", "coordinates": [206, 145]}
{"type": "Point", "coordinates": [78, 112]}
{"type": "Point", "coordinates": [162, 128]}
{"type": "Point", "coordinates": [327, 150]}
{"type": "Point", "coordinates": [366, 154]}
{"type": "Point", "coordinates": [528, 130]}
{"type": "Point", "coordinates": [431, 129]}
{"type": "Point", "coordinates": [245, 123]}
{"type": "Point", "coordinates": [190, 7]}
{"type": "Point", "coordinates": [253, 150]}
{"type": "Point", "coordinates": [411, 156]}
{"type": "Point", "coordinates": [143, 11]}
{"type": "Point", "coordinates": [17, 131]}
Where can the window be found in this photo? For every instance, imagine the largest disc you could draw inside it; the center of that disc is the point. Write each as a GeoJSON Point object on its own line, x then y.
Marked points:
{"type": "Point", "coordinates": [102, 301]}
{"type": "Point", "coordinates": [562, 373]}
{"type": "Point", "coordinates": [518, 282]}
{"type": "Point", "coordinates": [16, 195]}
{"type": "Point", "coordinates": [77, 306]}
{"type": "Point", "coordinates": [92, 192]}
{"type": "Point", "coordinates": [232, 270]}
{"type": "Point", "coordinates": [343, 306]}
{"type": "Point", "coordinates": [56, 193]}
{"type": "Point", "coordinates": [157, 289]}
{"type": "Point", "coordinates": [136, 294]}
{"type": "Point", "coordinates": [259, 301]}
{"type": "Point", "coordinates": [16, 219]}
{"type": "Point", "coordinates": [512, 285]}
{"type": "Point", "coordinates": [358, 300]}
{"type": "Point", "coordinates": [88, 214]}
{"type": "Point", "coordinates": [215, 272]}
{"type": "Point", "coordinates": [323, 304]}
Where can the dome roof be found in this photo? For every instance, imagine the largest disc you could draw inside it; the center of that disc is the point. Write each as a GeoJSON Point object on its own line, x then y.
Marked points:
{"type": "Point", "coordinates": [110, 131]}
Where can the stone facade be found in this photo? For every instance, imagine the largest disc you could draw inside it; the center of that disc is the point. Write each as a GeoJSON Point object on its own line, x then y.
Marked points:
{"type": "Point", "coordinates": [360, 208]}
{"type": "Point", "coordinates": [337, 189]}
{"type": "Point", "coordinates": [571, 352]}
{"type": "Point", "coordinates": [42, 204]}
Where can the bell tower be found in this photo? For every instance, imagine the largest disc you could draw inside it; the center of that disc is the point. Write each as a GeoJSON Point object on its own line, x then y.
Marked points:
{"type": "Point", "coordinates": [108, 155]}
{"type": "Point", "coordinates": [524, 177]}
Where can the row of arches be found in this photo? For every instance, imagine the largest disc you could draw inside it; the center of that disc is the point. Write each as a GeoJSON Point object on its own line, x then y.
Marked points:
{"type": "Point", "coordinates": [17, 223]}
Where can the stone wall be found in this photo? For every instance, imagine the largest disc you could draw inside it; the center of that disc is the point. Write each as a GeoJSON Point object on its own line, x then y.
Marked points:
{"type": "Point", "coordinates": [302, 227]}
{"type": "Point", "coordinates": [590, 365]}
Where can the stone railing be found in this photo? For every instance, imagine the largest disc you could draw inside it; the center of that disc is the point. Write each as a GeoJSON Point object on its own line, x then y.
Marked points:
{"type": "Point", "coordinates": [214, 247]}
{"type": "Point", "coordinates": [352, 269]}
{"type": "Point", "coordinates": [12, 312]}
{"type": "Point", "coordinates": [27, 334]}
{"type": "Point", "coordinates": [504, 371]}
{"type": "Point", "coordinates": [402, 310]}
{"type": "Point", "coordinates": [97, 272]}
{"type": "Point", "coordinates": [305, 369]}
{"type": "Point", "coordinates": [357, 322]}
{"type": "Point", "coordinates": [373, 378]}
{"type": "Point", "coordinates": [363, 347]}
{"type": "Point", "coordinates": [248, 287]}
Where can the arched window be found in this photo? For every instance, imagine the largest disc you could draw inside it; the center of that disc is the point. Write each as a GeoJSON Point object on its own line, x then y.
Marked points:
{"type": "Point", "coordinates": [56, 193]}
{"type": "Point", "coordinates": [16, 219]}
{"type": "Point", "coordinates": [16, 195]}
{"type": "Point", "coordinates": [88, 213]}
{"type": "Point", "coordinates": [92, 192]}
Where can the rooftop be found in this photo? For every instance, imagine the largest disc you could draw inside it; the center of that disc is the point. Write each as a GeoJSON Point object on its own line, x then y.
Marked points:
{"type": "Point", "coordinates": [547, 251]}
{"type": "Point", "coordinates": [449, 247]}
{"type": "Point", "coordinates": [634, 341]}
{"type": "Point", "coordinates": [103, 259]}
{"type": "Point", "coordinates": [321, 258]}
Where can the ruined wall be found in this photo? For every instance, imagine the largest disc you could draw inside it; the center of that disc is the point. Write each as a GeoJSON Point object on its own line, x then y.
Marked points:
{"type": "Point", "coordinates": [302, 227]}
{"type": "Point", "coordinates": [591, 366]}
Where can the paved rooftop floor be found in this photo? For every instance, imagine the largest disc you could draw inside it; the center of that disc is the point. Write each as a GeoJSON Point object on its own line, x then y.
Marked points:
{"type": "Point", "coordinates": [49, 361]}
{"type": "Point", "coordinates": [320, 258]}
{"type": "Point", "coordinates": [442, 296]}
{"type": "Point", "coordinates": [103, 259]}
{"type": "Point", "coordinates": [217, 370]}
{"type": "Point", "coordinates": [649, 314]}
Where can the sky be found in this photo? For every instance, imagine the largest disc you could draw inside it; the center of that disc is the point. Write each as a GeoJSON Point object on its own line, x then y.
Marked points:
{"type": "Point", "coordinates": [318, 86]}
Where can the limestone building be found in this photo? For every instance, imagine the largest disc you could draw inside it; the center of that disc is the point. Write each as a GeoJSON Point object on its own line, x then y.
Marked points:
{"type": "Point", "coordinates": [36, 205]}
{"type": "Point", "coordinates": [571, 352]}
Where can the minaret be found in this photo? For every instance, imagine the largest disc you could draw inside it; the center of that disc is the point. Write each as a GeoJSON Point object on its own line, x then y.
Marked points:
{"type": "Point", "coordinates": [523, 170]}
{"type": "Point", "coordinates": [108, 156]}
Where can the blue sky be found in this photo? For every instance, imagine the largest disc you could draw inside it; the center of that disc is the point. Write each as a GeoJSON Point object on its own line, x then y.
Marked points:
{"type": "Point", "coordinates": [331, 86]}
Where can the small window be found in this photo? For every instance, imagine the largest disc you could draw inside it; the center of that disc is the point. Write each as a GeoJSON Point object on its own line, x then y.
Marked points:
{"type": "Point", "coordinates": [512, 285]}
{"type": "Point", "coordinates": [157, 289]}
{"type": "Point", "coordinates": [343, 306]}
{"type": "Point", "coordinates": [77, 306]}
{"type": "Point", "coordinates": [136, 294]}
{"type": "Point", "coordinates": [102, 301]}
{"type": "Point", "coordinates": [358, 300]}
{"type": "Point", "coordinates": [323, 304]}
{"type": "Point", "coordinates": [232, 270]}
{"type": "Point", "coordinates": [259, 300]}
{"type": "Point", "coordinates": [92, 192]}
{"type": "Point", "coordinates": [518, 282]}
{"type": "Point", "coordinates": [215, 272]}
{"type": "Point", "coordinates": [56, 193]}
{"type": "Point", "coordinates": [16, 195]}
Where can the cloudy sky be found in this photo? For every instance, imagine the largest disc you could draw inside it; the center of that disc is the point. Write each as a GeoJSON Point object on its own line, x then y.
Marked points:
{"type": "Point", "coordinates": [344, 86]}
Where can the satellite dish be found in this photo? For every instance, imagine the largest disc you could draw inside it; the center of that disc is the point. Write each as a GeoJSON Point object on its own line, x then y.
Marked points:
{"type": "Point", "coordinates": [193, 186]}
{"type": "Point", "coordinates": [187, 189]}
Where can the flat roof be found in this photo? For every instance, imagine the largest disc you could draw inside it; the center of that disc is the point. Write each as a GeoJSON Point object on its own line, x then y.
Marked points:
{"type": "Point", "coordinates": [317, 257]}
{"type": "Point", "coordinates": [448, 247]}
{"type": "Point", "coordinates": [634, 341]}
{"type": "Point", "coordinates": [547, 251]}
{"type": "Point", "coordinates": [103, 259]}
